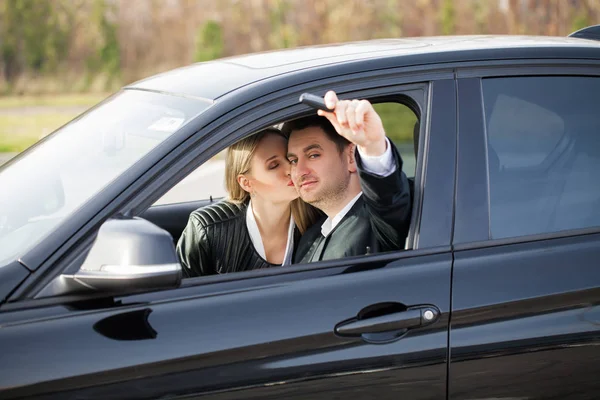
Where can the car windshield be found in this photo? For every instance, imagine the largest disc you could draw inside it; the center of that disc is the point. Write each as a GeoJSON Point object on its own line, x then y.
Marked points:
{"type": "Point", "coordinates": [48, 182]}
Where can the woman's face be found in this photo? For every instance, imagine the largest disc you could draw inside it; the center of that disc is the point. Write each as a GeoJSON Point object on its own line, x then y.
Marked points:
{"type": "Point", "coordinates": [269, 174]}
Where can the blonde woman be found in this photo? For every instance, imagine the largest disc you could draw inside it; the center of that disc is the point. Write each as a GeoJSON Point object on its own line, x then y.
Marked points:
{"type": "Point", "coordinates": [260, 223]}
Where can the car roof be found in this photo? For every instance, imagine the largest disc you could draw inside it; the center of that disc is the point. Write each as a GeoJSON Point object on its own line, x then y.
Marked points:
{"type": "Point", "coordinates": [213, 79]}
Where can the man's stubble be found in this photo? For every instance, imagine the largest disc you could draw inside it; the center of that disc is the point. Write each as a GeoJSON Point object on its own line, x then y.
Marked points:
{"type": "Point", "coordinates": [331, 194]}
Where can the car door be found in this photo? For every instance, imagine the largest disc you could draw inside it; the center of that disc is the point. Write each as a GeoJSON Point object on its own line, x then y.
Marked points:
{"type": "Point", "coordinates": [313, 331]}
{"type": "Point", "coordinates": [526, 283]}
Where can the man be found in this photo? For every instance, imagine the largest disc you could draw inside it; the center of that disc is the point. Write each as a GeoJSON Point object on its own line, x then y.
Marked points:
{"type": "Point", "coordinates": [343, 164]}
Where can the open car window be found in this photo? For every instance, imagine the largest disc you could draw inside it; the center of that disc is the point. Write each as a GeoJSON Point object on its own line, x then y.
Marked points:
{"type": "Point", "coordinates": [402, 127]}
{"type": "Point", "coordinates": [208, 180]}
{"type": "Point", "coordinates": [205, 185]}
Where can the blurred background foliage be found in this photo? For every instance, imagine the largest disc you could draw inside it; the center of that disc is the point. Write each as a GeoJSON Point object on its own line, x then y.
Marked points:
{"type": "Point", "coordinates": [99, 45]}
{"type": "Point", "coordinates": [60, 56]}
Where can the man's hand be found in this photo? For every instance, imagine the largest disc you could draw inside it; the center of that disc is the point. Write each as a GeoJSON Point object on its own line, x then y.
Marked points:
{"type": "Point", "coordinates": [357, 121]}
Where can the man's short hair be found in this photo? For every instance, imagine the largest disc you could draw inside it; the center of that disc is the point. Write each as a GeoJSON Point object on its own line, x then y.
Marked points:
{"type": "Point", "coordinates": [318, 122]}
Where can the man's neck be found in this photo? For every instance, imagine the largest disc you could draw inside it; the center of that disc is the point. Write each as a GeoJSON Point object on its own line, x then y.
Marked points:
{"type": "Point", "coordinates": [333, 209]}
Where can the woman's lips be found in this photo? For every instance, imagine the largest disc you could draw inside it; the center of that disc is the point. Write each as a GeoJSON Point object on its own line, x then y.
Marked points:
{"type": "Point", "coordinates": [290, 183]}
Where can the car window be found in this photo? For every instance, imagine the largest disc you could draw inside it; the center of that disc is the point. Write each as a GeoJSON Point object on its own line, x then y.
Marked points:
{"type": "Point", "coordinates": [401, 126]}
{"type": "Point", "coordinates": [51, 180]}
{"type": "Point", "coordinates": [543, 154]}
{"type": "Point", "coordinates": [205, 182]}
{"type": "Point", "coordinates": [208, 180]}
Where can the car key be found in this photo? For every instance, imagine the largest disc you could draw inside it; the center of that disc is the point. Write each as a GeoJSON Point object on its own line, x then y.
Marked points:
{"type": "Point", "coordinates": [314, 101]}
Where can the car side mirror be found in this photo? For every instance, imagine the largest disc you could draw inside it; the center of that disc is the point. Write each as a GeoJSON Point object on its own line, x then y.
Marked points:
{"type": "Point", "coordinates": [128, 255]}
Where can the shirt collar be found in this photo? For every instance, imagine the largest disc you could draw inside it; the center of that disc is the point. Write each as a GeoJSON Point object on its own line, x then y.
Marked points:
{"type": "Point", "coordinates": [256, 239]}
{"type": "Point", "coordinates": [330, 223]}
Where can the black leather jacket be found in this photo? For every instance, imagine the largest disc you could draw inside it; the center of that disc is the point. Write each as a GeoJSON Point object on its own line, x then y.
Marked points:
{"type": "Point", "coordinates": [216, 241]}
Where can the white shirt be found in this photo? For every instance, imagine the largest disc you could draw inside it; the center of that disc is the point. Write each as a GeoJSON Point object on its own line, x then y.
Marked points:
{"type": "Point", "coordinates": [257, 239]}
{"type": "Point", "coordinates": [382, 165]}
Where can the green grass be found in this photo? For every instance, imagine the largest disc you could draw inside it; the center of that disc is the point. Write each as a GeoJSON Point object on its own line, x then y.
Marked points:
{"type": "Point", "coordinates": [18, 132]}
{"type": "Point", "coordinates": [21, 126]}
{"type": "Point", "coordinates": [54, 101]}
{"type": "Point", "coordinates": [398, 121]}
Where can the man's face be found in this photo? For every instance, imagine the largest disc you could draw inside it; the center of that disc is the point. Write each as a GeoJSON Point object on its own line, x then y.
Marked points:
{"type": "Point", "coordinates": [319, 172]}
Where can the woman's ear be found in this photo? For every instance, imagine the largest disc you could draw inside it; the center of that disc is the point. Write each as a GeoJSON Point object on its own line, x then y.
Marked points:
{"type": "Point", "coordinates": [351, 157]}
{"type": "Point", "coordinates": [244, 183]}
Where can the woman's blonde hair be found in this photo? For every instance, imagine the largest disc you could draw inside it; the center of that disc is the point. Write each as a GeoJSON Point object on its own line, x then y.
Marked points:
{"type": "Point", "coordinates": [238, 161]}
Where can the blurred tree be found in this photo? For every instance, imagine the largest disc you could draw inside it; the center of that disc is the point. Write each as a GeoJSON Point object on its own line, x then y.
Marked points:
{"type": "Point", "coordinates": [10, 39]}
{"type": "Point", "coordinates": [448, 17]}
{"type": "Point", "coordinates": [581, 19]}
{"type": "Point", "coordinates": [514, 20]}
{"type": "Point", "coordinates": [35, 35]}
{"type": "Point", "coordinates": [283, 34]}
{"type": "Point", "coordinates": [45, 38]}
{"type": "Point", "coordinates": [481, 13]}
{"type": "Point", "coordinates": [126, 40]}
{"type": "Point", "coordinates": [389, 19]}
{"type": "Point", "coordinates": [105, 56]}
{"type": "Point", "coordinates": [209, 42]}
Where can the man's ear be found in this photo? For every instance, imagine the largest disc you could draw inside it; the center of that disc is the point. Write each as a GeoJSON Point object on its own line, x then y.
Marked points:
{"type": "Point", "coordinates": [351, 151]}
{"type": "Point", "coordinates": [244, 183]}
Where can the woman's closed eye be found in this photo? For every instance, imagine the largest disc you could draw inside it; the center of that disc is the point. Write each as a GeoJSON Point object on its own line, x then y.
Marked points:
{"type": "Point", "coordinates": [273, 165]}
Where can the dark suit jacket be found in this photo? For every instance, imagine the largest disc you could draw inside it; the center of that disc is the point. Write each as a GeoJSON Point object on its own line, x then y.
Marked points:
{"type": "Point", "coordinates": [377, 222]}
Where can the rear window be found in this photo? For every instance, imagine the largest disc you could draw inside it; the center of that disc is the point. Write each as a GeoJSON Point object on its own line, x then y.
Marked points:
{"type": "Point", "coordinates": [543, 154]}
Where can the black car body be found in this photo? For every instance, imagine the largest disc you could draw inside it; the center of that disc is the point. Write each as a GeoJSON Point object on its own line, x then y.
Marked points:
{"type": "Point", "coordinates": [503, 248]}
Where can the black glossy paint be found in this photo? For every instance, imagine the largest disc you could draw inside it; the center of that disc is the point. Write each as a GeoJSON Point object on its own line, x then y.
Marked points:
{"type": "Point", "coordinates": [526, 321]}
{"type": "Point", "coordinates": [11, 276]}
{"type": "Point", "coordinates": [439, 146]}
{"type": "Point", "coordinates": [526, 311]}
{"type": "Point", "coordinates": [472, 197]}
{"type": "Point", "coordinates": [192, 341]}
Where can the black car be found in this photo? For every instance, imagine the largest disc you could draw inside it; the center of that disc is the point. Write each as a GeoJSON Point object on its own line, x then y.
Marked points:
{"type": "Point", "coordinates": [496, 295]}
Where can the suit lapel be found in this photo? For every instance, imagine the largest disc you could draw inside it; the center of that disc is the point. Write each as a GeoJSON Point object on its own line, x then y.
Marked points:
{"type": "Point", "coordinates": [319, 245]}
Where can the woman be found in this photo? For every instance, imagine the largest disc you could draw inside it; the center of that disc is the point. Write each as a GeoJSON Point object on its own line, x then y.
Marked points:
{"type": "Point", "coordinates": [260, 223]}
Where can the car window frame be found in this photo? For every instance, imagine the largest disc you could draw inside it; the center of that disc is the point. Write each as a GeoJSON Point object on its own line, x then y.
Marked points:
{"type": "Point", "coordinates": [217, 135]}
{"type": "Point", "coordinates": [473, 184]}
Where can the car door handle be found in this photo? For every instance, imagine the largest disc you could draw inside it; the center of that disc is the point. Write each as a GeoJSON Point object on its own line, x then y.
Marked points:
{"type": "Point", "coordinates": [416, 317]}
